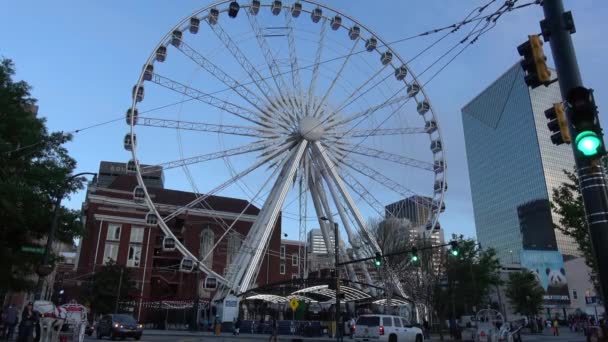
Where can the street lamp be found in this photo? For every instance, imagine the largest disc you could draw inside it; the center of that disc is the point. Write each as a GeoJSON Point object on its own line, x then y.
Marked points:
{"type": "Point", "coordinates": [45, 268]}
{"type": "Point", "coordinates": [337, 273]}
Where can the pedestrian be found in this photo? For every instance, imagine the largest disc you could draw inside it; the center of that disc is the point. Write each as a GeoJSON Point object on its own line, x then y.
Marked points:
{"type": "Point", "coordinates": [11, 318]}
{"type": "Point", "coordinates": [555, 327]}
{"type": "Point", "coordinates": [237, 327]}
{"type": "Point", "coordinates": [26, 327]}
{"type": "Point", "coordinates": [218, 326]}
{"type": "Point", "coordinates": [274, 331]}
{"type": "Point", "coordinates": [425, 329]}
{"type": "Point", "coordinates": [352, 327]}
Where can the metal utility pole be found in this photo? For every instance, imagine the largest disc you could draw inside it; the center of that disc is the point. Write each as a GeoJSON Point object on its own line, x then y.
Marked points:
{"type": "Point", "coordinates": [337, 263]}
{"type": "Point", "coordinates": [45, 267]}
{"type": "Point", "coordinates": [119, 288]}
{"type": "Point", "coordinates": [196, 299]}
{"type": "Point", "coordinates": [557, 28]}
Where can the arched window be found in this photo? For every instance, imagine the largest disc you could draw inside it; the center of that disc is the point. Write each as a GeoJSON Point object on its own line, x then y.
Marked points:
{"type": "Point", "coordinates": [234, 244]}
{"type": "Point", "coordinates": [207, 241]}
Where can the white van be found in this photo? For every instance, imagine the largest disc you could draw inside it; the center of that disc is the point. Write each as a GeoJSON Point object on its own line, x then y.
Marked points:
{"type": "Point", "coordinates": [372, 328]}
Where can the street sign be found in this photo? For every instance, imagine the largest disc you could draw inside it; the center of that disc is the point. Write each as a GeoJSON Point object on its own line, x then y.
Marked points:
{"type": "Point", "coordinates": [33, 249]}
{"type": "Point", "coordinates": [294, 303]}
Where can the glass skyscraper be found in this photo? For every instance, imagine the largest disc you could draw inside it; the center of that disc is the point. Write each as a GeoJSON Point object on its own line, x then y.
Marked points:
{"type": "Point", "coordinates": [513, 167]}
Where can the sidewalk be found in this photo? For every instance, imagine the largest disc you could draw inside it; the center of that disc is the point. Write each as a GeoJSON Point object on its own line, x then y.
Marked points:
{"type": "Point", "coordinates": [224, 335]}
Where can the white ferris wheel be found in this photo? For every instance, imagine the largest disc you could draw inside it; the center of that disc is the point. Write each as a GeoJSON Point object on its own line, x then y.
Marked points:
{"type": "Point", "coordinates": [297, 108]}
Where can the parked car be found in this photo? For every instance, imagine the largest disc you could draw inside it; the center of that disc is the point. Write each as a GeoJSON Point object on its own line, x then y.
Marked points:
{"type": "Point", "coordinates": [372, 328]}
{"type": "Point", "coordinates": [119, 326]}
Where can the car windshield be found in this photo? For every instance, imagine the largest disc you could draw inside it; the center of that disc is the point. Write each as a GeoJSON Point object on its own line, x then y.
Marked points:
{"type": "Point", "coordinates": [370, 321]}
{"type": "Point", "coordinates": [124, 319]}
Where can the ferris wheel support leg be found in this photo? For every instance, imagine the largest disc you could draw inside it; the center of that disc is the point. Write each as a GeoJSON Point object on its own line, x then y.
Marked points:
{"type": "Point", "coordinates": [262, 227]}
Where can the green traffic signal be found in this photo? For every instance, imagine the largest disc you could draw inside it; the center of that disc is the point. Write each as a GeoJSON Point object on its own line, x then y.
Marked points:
{"type": "Point", "coordinates": [378, 259]}
{"type": "Point", "coordinates": [414, 258]}
{"type": "Point", "coordinates": [454, 252]}
{"type": "Point", "coordinates": [588, 143]}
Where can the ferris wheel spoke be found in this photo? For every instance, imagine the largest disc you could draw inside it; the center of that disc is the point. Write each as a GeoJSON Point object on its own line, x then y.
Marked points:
{"type": "Point", "coordinates": [296, 79]}
{"type": "Point", "coordinates": [223, 77]}
{"type": "Point", "coordinates": [202, 127]}
{"type": "Point", "coordinates": [363, 193]}
{"type": "Point", "coordinates": [364, 133]}
{"type": "Point", "coordinates": [264, 224]}
{"type": "Point", "coordinates": [244, 62]}
{"type": "Point", "coordinates": [224, 185]}
{"type": "Point", "coordinates": [331, 168]}
{"type": "Point", "coordinates": [394, 99]}
{"type": "Point", "coordinates": [387, 182]}
{"type": "Point", "coordinates": [316, 66]}
{"type": "Point", "coordinates": [333, 83]}
{"type": "Point", "coordinates": [344, 103]}
{"type": "Point", "coordinates": [275, 71]}
{"type": "Point", "coordinates": [211, 100]}
{"type": "Point", "coordinates": [395, 158]}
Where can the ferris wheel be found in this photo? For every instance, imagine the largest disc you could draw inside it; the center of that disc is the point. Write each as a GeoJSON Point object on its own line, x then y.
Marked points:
{"type": "Point", "coordinates": [295, 107]}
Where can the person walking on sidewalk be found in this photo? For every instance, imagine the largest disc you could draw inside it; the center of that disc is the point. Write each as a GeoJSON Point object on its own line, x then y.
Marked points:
{"type": "Point", "coordinates": [555, 327]}
{"type": "Point", "coordinates": [274, 331]}
{"type": "Point", "coordinates": [11, 318]}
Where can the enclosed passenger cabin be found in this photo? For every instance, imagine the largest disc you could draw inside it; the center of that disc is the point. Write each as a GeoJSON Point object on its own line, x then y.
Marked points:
{"type": "Point", "coordinates": [131, 115]}
{"type": "Point", "coordinates": [213, 17]}
{"type": "Point", "coordinates": [210, 283]}
{"type": "Point", "coordinates": [187, 265]}
{"type": "Point", "coordinates": [276, 7]}
{"type": "Point", "coordinates": [233, 9]}
{"type": "Point", "coordinates": [336, 22]}
{"type": "Point", "coordinates": [131, 167]}
{"type": "Point", "coordinates": [151, 219]}
{"type": "Point", "coordinates": [316, 15]}
{"type": "Point", "coordinates": [148, 72]}
{"type": "Point", "coordinates": [386, 57]}
{"type": "Point", "coordinates": [439, 185]}
{"type": "Point", "coordinates": [128, 144]}
{"type": "Point", "coordinates": [436, 146]}
{"type": "Point", "coordinates": [413, 89]}
{"type": "Point", "coordinates": [296, 9]}
{"type": "Point", "coordinates": [176, 38]}
{"type": "Point", "coordinates": [370, 44]}
{"type": "Point", "coordinates": [438, 166]}
{"type": "Point", "coordinates": [161, 53]}
{"type": "Point", "coordinates": [354, 32]}
{"type": "Point", "coordinates": [255, 7]}
{"type": "Point", "coordinates": [138, 93]}
{"type": "Point", "coordinates": [195, 23]}
{"type": "Point", "coordinates": [168, 244]}
{"type": "Point", "coordinates": [138, 194]}
{"type": "Point", "coordinates": [429, 226]}
{"type": "Point", "coordinates": [430, 126]}
{"type": "Point", "coordinates": [423, 107]}
{"type": "Point", "coordinates": [400, 73]}
{"type": "Point", "coordinates": [436, 206]}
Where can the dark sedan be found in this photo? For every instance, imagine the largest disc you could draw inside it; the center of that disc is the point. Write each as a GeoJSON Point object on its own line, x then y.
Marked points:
{"type": "Point", "coordinates": [119, 326]}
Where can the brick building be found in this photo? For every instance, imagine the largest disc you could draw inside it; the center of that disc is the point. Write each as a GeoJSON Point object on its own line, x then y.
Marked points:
{"type": "Point", "coordinates": [116, 229]}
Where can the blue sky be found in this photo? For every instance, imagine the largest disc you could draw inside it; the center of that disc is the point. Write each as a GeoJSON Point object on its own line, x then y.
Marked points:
{"type": "Point", "coordinates": [83, 57]}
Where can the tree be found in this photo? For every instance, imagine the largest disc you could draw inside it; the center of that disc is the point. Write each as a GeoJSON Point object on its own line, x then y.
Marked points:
{"type": "Point", "coordinates": [525, 293]}
{"type": "Point", "coordinates": [567, 202]}
{"type": "Point", "coordinates": [33, 170]}
{"type": "Point", "coordinates": [110, 283]}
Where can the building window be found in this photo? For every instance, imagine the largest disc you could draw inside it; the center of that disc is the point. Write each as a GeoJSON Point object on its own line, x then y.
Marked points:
{"type": "Point", "coordinates": [207, 241]}
{"type": "Point", "coordinates": [113, 232]}
{"type": "Point", "coordinates": [294, 276]}
{"type": "Point", "coordinates": [294, 260]}
{"type": "Point", "coordinates": [574, 294]}
{"type": "Point", "coordinates": [282, 268]}
{"type": "Point", "coordinates": [234, 244]}
{"type": "Point", "coordinates": [110, 252]}
{"type": "Point", "coordinates": [282, 251]}
{"type": "Point", "coordinates": [137, 235]}
{"type": "Point", "coordinates": [134, 256]}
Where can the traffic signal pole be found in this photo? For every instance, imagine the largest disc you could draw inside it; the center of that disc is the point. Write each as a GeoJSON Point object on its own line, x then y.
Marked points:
{"type": "Point", "coordinates": [557, 27]}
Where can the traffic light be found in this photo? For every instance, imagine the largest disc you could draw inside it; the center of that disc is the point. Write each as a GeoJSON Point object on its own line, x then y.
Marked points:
{"type": "Point", "coordinates": [378, 259]}
{"type": "Point", "coordinates": [454, 248]}
{"type": "Point", "coordinates": [414, 255]}
{"type": "Point", "coordinates": [588, 138]}
{"type": "Point", "coordinates": [535, 62]}
{"type": "Point", "coordinates": [558, 124]}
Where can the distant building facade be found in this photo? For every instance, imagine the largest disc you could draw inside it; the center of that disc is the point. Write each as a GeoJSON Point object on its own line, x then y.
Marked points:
{"type": "Point", "coordinates": [514, 167]}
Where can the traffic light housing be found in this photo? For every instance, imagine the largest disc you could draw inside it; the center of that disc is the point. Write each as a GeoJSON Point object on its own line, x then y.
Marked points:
{"type": "Point", "coordinates": [454, 251]}
{"type": "Point", "coordinates": [378, 259]}
{"type": "Point", "coordinates": [414, 255]}
{"type": "Point", "coordinates": [558, 124]}
{"type": "Point", "coordinates": [534, 62]}
{"type": "Point", "coordinates": [588, 135]}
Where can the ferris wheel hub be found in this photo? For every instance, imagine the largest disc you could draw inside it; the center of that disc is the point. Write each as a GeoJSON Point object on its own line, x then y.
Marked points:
{"type": "Point", "coordinates": [311, 128]}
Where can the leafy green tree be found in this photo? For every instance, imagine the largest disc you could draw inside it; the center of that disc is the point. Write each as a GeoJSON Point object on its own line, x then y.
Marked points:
{"type": "Point", "coordinates": [525, 293]}
{"type": "Point", "coordinates": [567, 202]}
{"type": "Point", "coordinates": [112, 281]}
{"type": "Point", "coordinates": [33, 170]}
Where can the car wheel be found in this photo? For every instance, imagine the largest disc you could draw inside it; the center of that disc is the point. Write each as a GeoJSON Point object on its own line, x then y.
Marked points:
{"type": "Point", "coordinates": [138, 337]}
{"type": "Point", "coordinates": [392, 338]}
{"type": "Point", "coordinates": [418, 338]}
{"type": "Point", "coordinates": [99, 335]}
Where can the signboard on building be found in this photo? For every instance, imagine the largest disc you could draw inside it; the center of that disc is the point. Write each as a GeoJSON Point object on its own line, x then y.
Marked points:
{"type": "Point", "coordinates": [548, 266]}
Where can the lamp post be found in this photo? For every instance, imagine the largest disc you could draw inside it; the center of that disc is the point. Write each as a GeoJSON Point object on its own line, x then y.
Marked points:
{"type": "Point", "coordinates": [337, 277]}
{"type": "Point", "coordinates": [45, 267]}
